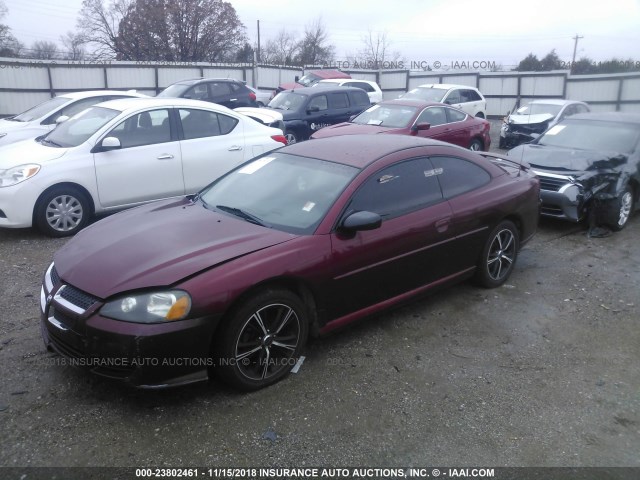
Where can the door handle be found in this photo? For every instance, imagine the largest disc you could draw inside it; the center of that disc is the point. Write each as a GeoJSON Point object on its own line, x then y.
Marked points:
{"type": "Point", "coordinates": [165, 156]}
{"type": "Point", "coordinates": [443, 224]}
{"type": "Point", "coordinates": [233, 100]}
{"type": "Point", "coordinates": [235, 148]}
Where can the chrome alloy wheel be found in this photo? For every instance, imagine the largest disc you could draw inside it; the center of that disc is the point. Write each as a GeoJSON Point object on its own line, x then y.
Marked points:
{"type": "Point", "coordinates": [267, 342]}
{"type": "Point", "coordinates": [502, 253]}
{"type": "Point", "coordinates": [626, 203]}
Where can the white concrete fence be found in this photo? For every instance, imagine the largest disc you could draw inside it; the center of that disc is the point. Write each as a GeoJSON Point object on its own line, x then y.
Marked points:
{"type": "Point", "coordinates": [25, 83]}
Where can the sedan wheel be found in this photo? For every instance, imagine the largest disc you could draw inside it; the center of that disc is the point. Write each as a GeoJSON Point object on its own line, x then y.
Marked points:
{"type": "Point", "coordinates": [476, 145]}
{"type": "Point", "coordinates": [62, 212]}
{"type": "Point", "coordinates": [262, 341]}
{"type": "Point", "coordinates": [499, 256]}
{"type": "Point", "coordinates": [620, 210]}
{"type": "Point", "coordinates": [291, 138]}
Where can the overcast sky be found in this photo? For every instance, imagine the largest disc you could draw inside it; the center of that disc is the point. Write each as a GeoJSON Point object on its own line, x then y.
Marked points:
{"type": "Point", "coordinates": [420, 30]}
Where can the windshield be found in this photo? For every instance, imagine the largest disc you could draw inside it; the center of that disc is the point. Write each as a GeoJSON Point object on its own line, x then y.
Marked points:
{"type": "Point", "coordinates": [80, 127]}
{"type": "Point", "coordinates": [592, 135]}
{"type": "Point", "coordinates": [175, 90]}
{"type": "Point", "coordinates": [539, 109]}
{"type": "Point", "coordinates": [280, 190]}
{"type": "Point", "coordinates": [392, 116]}
{"type": "Point", "coordinates": [425, 93]}
{"type": "Point", "coordinates": [41, 110]}
{"type": "Point", "coordinates": [287, 101]}
{"type": "Point", "coordinates": [309, 79]}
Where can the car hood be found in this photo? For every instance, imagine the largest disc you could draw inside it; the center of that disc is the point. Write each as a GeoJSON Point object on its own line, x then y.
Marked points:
{"type": "Point", "coordinates": [347, 128]}
{"type": "Point", "coordinates": [566, 159]}
{"type": "Point", "coordinates": [530, 119]}
{"type": "Point", "coordinates": [8, 125]}
{"type": "Point", "coordinates": [290, 86]}
{"type": "Point", "coordinates": [28, 151]}
{"type": "Point", "coordinates": [157, 244]}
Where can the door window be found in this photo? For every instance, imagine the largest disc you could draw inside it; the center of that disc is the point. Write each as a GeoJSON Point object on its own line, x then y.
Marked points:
{"type": "Point", "coordinates": [469, 96]}
{"type": "Point", "coordinates": [453, 97]}
{"type": "Point", "coordinates": [458, 176]}
{"type": "Point", "coordinates": [145, 128]}
{"type": "Point", "coordinates": [203, 123]}
{"type": "Point", "coordinates": [338, 100]}
{"type": "Point", "coordinates": [198, 92]}
{"type": "Point", "coordinates": [455, 115]}
{"type": "Point", "coordinates": [219, 89]}
{"type": "Point", "coordinates": [399, 189]}
{"type": "Point", "coordinates": [320, 101]}
{"type": "Point", "coordinates": [433, 115]}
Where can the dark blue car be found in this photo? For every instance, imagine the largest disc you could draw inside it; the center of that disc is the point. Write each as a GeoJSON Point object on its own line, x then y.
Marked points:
{"type": "Point", "coordinates": [306, 110]}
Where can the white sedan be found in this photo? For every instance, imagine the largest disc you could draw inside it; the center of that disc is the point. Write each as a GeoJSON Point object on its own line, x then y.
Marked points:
{"type": "Point", "coordinates": [44, 117]}
{"type": "Point", "coordinates": [122, 153]}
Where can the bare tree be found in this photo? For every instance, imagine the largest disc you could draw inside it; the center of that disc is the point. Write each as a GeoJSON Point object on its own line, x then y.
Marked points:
{"type": "Point", "coordinates": [282, 49]}
{"type": "Point", "coordinates": [9, 45]}
{"type": "Point", "coordinates": [44, 50]}
{"type": "Point", "coordinates": [377, 52]}
{"type": "Point", "coordinates": [73, 43]}
{"type": "Point", "coordinates": [315, 48]}
{"type": "Point", "coordinates": [179, 30]}
{"type": "Point", "coordinates": [98, 25]}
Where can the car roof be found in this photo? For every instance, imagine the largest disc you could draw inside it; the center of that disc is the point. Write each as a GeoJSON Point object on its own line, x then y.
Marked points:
{"type": "Point", "coordinates": [356, 150]}
{"type": "Point", "coordinates": [410, 102]}
{"type": "Point", "coordinates": [329, 74]}
{"type": "Point", "coordinates": [622, 117]}
{"type": "Point", "coordinates": [129, 104]}
{"type": "Point", "coordinates": [445, 86]}
{"type": "Point", "coordinates": [193, 81]}
{"type": "Point", "coordinates": [98, 93]}
{"type": "Point", "coordinates": [343, 80]}
{"type": "Point", "coordinates": [312, 90]}
{"type": "Point", "coordinates": [555, 101]}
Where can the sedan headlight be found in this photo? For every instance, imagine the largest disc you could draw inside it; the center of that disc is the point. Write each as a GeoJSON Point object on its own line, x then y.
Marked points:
{"type": "Point", "coordinates": [18, 174]}
{"type": "Point", "coordinates": [152, 307]}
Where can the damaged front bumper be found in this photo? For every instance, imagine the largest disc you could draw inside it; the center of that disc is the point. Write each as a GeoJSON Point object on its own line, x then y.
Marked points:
{"type": "Point", "coordinates": [562, 197]}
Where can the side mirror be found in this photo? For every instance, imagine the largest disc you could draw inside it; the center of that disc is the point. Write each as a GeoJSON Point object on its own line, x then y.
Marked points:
{"type": "Point", "coordinates": [62, 119]}
{"type": "Point", "coordinates": [361, 221]}
{"type": "Point", "coordinates": [313, 109]}
{"type": "Point", "coordinates": [110, 143]}
{"type": "Point", "coordinates": [419, 127]}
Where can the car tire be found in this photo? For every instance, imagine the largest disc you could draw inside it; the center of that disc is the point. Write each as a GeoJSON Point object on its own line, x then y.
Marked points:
{"type": "Point", "coordinates": [292, 137]}
{"type": "Point", "coordinates": [260, 105]}
{"type": "Point", "coordinates": [502, 143]}
{"type": "Point", "coordinates": [262, 340]}
{"type": "Point", "coordinates": [62, 211]}
{"type": "Point", "coordinates": [619, 210]}
{"type": "Point", "coordinates": [476, 145]}
{"type": "Point", "coordinates": [498, 256]}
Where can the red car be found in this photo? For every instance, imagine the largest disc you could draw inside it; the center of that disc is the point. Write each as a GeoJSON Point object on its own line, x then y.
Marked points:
{"type": "Point", "coordinates": [296, 242]}
{"type": "Point", "coordinates": [421, 119]}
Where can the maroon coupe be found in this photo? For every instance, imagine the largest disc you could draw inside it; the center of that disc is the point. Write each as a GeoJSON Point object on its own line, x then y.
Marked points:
{"type": "Point", "coordinates": [293, 243]}
{"type": "Point", "coordinates": [417, 118]}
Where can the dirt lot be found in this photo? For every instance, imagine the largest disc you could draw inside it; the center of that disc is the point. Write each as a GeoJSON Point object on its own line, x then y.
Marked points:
{"type": "Point", "coordinates": [544, 371]}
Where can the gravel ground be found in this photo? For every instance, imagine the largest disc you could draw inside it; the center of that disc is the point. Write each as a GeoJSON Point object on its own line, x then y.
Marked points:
{"type": "Point", "coordinates": [543, 371]}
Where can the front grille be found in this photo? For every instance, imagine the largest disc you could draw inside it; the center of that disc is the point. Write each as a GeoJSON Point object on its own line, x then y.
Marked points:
{"type": "Point", "coordinates": [78, 297]}
{"type": "Point", "coordinates": [552, 184]}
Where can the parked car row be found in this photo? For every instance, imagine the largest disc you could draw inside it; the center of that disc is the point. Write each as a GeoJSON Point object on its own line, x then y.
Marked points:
{"type": "Point", "coordinates": [250, 250]}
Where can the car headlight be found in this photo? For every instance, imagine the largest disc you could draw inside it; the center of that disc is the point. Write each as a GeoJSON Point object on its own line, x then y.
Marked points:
{"type": "Point", "coordinates": [15, 175]}
{"type": "Point", "coordinates": [151, 307]}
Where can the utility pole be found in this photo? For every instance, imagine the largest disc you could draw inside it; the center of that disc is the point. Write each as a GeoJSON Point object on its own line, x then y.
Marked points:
{"type": "Point", "coordinates": [259, 41]}
{"type": "Point", "coordinates": [575, 49]}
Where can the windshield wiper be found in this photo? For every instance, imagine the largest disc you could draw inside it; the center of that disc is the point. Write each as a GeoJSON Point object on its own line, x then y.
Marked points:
{"type": "Point", "coordinates": [45, 140]}
{"type": "Point", "coordinates": [238, 212]}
